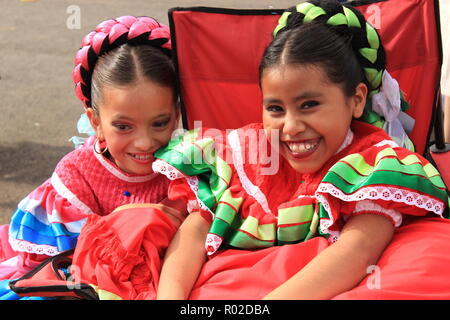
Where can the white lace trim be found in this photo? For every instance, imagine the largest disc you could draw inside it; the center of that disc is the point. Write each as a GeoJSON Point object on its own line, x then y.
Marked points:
{"type": "Point", "coordinates": [385, 193]}
{"type": "Point", "coordinates": [249, 187]}
{"type": "Point", "coordinates": [66, 193]}
{"type": "Point", "coordinates": [347, 141]}
{"type": "Point", "coordinates": [212, 243]}
{"type": "Point", "coordinates": [192, 205]}
{"type": "Point", "coordinates": [324, 224]}
{"type": "Point", "coordinates": [374, 193]}
{"type": "Point", "coordinates": [390, 143]}
{"type": "Point", "coordinates": [367, 205]}
{"type": "Point", "coordinates": [193, 184]}
{"type": "Point", "coordinates": [119, 174]}
{"type": "Point", "coordinates": [25, 246]}
{"type": "Point", "coordinates": [166, 169]}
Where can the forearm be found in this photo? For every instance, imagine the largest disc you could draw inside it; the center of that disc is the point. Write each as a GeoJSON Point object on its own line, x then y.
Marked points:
{"type": "Point", "coordinates": [322, 278]}
{"type": "Point", "coordinates": [184, 259]}
{"type": "Point", "coordinates": [341, 266]}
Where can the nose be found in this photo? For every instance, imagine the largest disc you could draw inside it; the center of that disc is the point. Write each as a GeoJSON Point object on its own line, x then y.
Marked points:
{"type": "Point", "coordinates": [145, 142]}
{"type": "Point", "coordinates": [292, 125]}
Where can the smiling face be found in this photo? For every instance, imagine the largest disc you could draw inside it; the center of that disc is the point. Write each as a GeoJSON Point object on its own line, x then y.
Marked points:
{"type": "Point", "coordinates": [312, 114]}
{"type": "Point", "coordinates": [135, 121]}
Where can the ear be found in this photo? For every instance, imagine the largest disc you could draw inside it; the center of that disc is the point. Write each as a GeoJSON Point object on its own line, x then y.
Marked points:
{"type": "Point", "coordinates": [94, 119]}
{"type": "Point", "coordinates": [359, 100]}
{"type": "Point", "coordinates": [178, 115]}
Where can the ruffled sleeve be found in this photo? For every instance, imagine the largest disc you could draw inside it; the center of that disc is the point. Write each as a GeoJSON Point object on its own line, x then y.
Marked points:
{"type": "Point", "coordinates": [196, 164]}
{"type": "Point", "coordinates": [45, 222]}
{"type": "Point", "coordinates": [49, 220]}
{"type": "Point", "coordinates": [204, 173]}
{"type": "Point", "coordinates": [384, 180]}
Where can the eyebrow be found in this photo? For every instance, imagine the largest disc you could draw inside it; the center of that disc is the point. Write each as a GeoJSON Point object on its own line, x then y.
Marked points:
{"type": "Point", "coordinates": [162, 115]}
{"type": "Point", "coordinates": [303, 96]}
{"type": "Point", "coordinates": [125, 117]}
{"type": "Point", "coordinates": [308, 95]}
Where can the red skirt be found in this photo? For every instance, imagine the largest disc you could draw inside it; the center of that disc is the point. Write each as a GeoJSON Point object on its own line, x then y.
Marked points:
{"type": "Point", "coordinates": [413, 266]}
{"type": "Point", "coordinates": [122, 254]}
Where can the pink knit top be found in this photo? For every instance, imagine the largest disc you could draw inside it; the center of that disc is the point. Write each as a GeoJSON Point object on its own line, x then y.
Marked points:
{"type": "Point", "coordinates": [96, 185]}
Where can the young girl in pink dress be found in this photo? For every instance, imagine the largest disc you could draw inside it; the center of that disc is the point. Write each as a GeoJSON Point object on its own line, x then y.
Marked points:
{"type": "Point", "coordinates": [125, 78]}
{"type": "Point", "coordinates": [343, 188]}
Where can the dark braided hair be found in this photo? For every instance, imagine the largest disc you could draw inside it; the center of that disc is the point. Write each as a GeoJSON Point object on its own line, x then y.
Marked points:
{"type": "Point", "coordinates": [333, 36]}
{"type": "Point", "coordinates": [127, 64]}
{"type": "Point", "coordinates": [119, 52]}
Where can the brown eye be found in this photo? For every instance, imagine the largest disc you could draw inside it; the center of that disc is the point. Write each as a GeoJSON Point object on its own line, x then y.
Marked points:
{"type": "Point", "coordinates": [309, 104]}
{"type": "Point", "coordinates": [160, 124]}
{"type": "Point", "coordinates": [121, 126]}
{"type": "Point", "coordinates": [274, 108]}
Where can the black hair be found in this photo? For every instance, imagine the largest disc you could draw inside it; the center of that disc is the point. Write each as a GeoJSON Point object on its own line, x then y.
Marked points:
{"type": "Point", "coordinates": [128, 64]}
{"type": "Point", "coordinates": [334, 48]}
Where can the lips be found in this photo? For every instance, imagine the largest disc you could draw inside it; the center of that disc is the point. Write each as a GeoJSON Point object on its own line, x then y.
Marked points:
{"type": "Point", "coordinates": [143, 158]}
{"type": "Point", "coordinates": [302, 149]}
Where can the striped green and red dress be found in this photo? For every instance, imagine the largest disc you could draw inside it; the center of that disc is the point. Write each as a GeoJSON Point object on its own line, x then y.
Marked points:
{"type": "Point", "coordinates": [254, 199]}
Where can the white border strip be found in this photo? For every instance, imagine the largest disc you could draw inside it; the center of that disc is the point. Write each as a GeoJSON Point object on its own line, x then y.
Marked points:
{"type": "Point", "coordinates": [249, 187]}
{"type": "Point", "coordinates": [66, 193]}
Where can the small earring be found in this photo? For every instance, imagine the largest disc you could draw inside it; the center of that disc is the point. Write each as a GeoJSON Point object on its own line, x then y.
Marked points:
{"type": "Point", "coordinates": [97, 141]}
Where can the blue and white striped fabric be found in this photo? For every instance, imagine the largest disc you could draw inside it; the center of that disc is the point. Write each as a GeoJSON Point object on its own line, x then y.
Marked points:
{"type": "Point", "coordinates": [33, 230]}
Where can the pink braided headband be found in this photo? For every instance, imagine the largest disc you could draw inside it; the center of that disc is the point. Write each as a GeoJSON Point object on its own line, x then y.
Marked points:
{"type": "Point", "coordinates": [111, 34]}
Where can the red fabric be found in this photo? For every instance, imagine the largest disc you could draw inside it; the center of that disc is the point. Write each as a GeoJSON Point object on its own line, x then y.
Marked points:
{"type": "Point", "coordinates": [219, 56]}
{"type": "Point", "coordinates": [122, 252]}
{"type": "Point", "coordinates": [251, 274]}
{"type": "Point", "coordinates": [413, 266]}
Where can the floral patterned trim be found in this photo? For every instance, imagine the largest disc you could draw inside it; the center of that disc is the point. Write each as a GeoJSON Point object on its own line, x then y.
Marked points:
{"type": "Point", "coordinates": [249, 187]}
{"type": "Point", "coordinates": [167, 169]}
{"type": "Point", "coordinates": [325, 224]}
{"type": "Point", "coordinates": [193, 184]}
{"type": "Point", "coordinates": [388, 193]}
{"type": "Point", "coordinates": [374, 193]}
{"type": "Point", "coordinates": [212, 243]}
{"type": "Point", "coordinates": [25, 246]}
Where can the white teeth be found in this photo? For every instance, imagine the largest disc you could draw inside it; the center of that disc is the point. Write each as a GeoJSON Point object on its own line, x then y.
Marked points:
{"type": "Point", "coordinates": [301, 146]}
{"type": "Point", "coordinates": [139, 157]}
